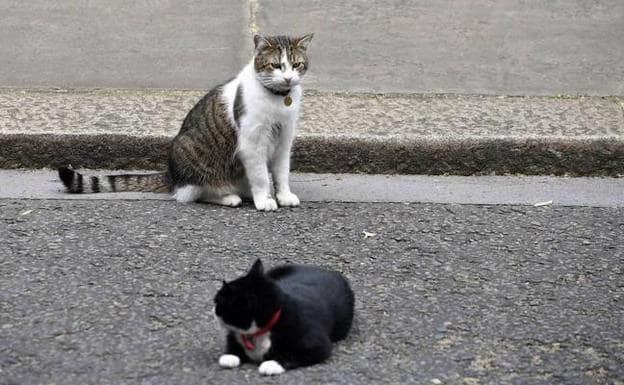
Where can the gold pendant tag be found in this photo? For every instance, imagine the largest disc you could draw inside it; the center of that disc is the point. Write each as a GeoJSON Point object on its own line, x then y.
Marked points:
{"type": "Point", "coordinates": [287, 100]}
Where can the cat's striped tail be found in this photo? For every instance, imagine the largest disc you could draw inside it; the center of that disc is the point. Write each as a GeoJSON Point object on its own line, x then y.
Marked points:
{"type": "Point", "coordinates": [76, 183]}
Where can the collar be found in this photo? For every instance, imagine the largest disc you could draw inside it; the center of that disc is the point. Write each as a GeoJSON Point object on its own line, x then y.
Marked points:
{"type": "Point", "coordinates": [277, 92]}
{"type": "Point", "coordinates": [248, 338]}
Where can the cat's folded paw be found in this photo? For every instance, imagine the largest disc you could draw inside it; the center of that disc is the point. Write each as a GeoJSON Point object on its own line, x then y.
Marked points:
{"type": "Point", "coordinates": [229, 361]}
{"type": "Point", "coordinates": [231, 200]}
{"type": "Point", "coordinates": [287, 199]}
{"type": "Point", "coordinates": [266, 204]}
{"type": "Point", "coordinates": [270, 368]}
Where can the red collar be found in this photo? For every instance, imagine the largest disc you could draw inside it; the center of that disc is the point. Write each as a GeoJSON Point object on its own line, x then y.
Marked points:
{"type": "Point", "coordinates": [248, 338]}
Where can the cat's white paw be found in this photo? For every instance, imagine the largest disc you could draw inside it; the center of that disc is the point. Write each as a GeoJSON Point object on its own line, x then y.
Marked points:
{"type": "Point", "coordinates": [229, 361]}
{"type": "Point", "coordinates": [187, 194]}
{"type": "Point", "coordinates": [287, 199]}
{"type": "Point", "coordinates": [231, 200]}
{"type": "Point", "coordinates": [266, 204]}
{"type": "Point", "coordinates": [271, 368]}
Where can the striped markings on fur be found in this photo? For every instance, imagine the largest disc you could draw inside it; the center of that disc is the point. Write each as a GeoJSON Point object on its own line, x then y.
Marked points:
{"type": "Point", "coordinates": [76, 183]}
{"type": "Point", "coordinates": [239, 107]}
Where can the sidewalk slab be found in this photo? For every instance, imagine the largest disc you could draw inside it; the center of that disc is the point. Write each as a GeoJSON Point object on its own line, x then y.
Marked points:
{"type": "Point", "coordinates": [338, 132]}
{"type": "Point", "coordinates": [475, 190]}
{"type": "Point", "coordinates": [504, 47]}
{"type": "Point", "coordinates": [140, 44]}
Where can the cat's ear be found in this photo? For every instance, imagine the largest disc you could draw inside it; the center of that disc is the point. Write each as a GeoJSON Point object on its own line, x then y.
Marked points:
{"type": "Point", "coordinates": [257, 270]}
{"type": "Point", "coordinates": [261, 42]}
{"type": "Point", "coordinates": [304, 41]}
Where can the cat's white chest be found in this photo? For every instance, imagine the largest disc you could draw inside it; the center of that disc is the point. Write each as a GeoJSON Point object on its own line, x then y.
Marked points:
{"type": "Point", "coordinates": [262, 346]}
{"type": "Point", "coordinates": [274, 110]}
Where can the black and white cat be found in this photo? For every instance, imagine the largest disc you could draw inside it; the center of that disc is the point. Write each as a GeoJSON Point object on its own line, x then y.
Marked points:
{"type": "Point", "coordinates": [285, 318]}
{"type": "Point", "coordinates": [238, 136]}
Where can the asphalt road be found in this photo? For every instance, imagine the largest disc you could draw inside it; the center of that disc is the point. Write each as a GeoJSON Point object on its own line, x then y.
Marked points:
{"type": "Point", "coordinates": [119, 292]}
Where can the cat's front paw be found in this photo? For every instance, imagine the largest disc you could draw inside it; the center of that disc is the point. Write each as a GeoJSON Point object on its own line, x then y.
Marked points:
{"type": "Point", "coordinates": [229, 361]}
{"type": "Point", "coordinates": [271, 368]}
{"type": "Point", "coordinates": [287, 199]}
{"type": "Point", "coordinates": [265, 204]}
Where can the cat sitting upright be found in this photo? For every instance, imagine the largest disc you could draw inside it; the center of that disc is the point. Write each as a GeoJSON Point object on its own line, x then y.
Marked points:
{"type": "Point", "coordinates": [285, 318]}
{"type": "Point", "coordinates": [232, 139]}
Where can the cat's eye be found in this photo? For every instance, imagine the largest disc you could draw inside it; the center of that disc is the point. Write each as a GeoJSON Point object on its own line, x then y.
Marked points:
{"type": "Point", "coordinates": [298, 65]}
{"type": "Point", "coordinates": [276, 65]}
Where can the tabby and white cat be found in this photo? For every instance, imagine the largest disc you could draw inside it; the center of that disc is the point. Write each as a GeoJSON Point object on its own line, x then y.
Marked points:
{"type": "Point", "coordinates": [285, 318]}
{"type": "Point", "coordinates": [233, 139]}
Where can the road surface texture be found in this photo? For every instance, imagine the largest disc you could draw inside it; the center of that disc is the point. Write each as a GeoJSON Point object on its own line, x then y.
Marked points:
{"type": "Point", "coordinates": [491, 291]}
{"type": "Point", "coordinates": [120, 292]}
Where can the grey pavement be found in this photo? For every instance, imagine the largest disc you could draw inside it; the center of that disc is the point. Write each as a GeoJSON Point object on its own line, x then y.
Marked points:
{"type": "Point", "coordinates": [483, 190]}
{"type": "Point", "coordinates": [394, 86]}
{"type": "Point", "coordinates": [398, 133]}
{"type": "Point", "coordinates": [324, 114]}
{"type": "Point", "coordinates": [119, 292]}
{"type": "Point", "coordinates": [468, 47]}
{"type": "Point", "coordinates": [138, 44]}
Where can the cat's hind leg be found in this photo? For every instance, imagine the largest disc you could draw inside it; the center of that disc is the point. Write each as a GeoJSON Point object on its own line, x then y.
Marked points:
{"type": "Point", "coordinates": [188, 193]}
{"type": "Point", "coordinates": [313, 348]}
{"type": "Point", "coordinates": [224, 196]}
{"type": "Point", "coordinates": [230, 200]}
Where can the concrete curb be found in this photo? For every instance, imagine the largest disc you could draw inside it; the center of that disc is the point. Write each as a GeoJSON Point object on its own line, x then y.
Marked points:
{"type": "Point", "coordinates": [582, 157]}
{"type": "Point", "coordinates": [339, 133]}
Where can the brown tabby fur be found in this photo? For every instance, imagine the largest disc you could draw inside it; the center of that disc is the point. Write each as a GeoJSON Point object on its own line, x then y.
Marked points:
{"type": "Point", "coordinates": [204, 150]}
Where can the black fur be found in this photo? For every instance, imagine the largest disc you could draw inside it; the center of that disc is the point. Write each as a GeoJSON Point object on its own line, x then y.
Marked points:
{"type": "Point", "coordinates": [111, 181]}
{"type": "Point", "coordinates": [95, 184]}
{"type": "Point", "coordinates": [72, 180]}
{"type": "Point", "coordinates": [80, 180]}
{"type": "Point", "coordinates": [233, 347]}
{"type": "Point", "coordinates": [239, 107]}
{"type": "Point", "coordinates": [317, 309]}
{"type": "Point", "coordinates": [67, 176]}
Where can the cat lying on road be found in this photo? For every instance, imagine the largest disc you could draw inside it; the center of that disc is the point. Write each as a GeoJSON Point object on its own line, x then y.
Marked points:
{"type": "Point", "coordinates": [285, 318]}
